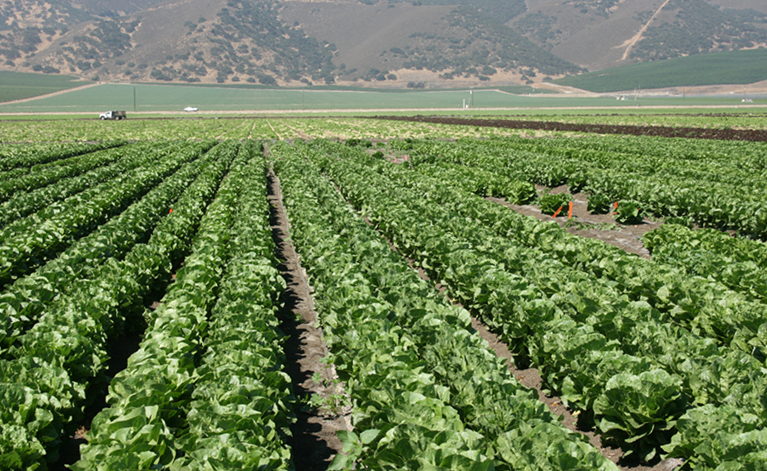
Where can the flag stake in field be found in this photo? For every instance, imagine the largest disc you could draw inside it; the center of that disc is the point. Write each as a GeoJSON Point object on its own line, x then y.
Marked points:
{"type": "Point", "coordinates": [615, 208]}
{"type": "Point", "coordinates": [570, 211]}
{"type": "Point", "coordinates": [557, 212]}
{"type": "Point", "coordinates": [171, 210]}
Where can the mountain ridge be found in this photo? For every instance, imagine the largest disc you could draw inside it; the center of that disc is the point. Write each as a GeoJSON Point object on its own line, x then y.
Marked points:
{"type": "Point", "coordinates": [386, 43]}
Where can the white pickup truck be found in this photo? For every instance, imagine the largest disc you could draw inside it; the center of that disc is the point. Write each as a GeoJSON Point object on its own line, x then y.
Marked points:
{"type": "Point", "coordinates": [113, 115]}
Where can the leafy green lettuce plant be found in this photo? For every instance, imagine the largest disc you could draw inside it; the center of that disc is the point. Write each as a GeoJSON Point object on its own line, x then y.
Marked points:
{"type": "Point", "coordinates": [549, 204]}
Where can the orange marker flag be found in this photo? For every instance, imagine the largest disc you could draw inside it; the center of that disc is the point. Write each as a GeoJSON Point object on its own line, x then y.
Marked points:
{"type": "Point", "coordinates": [570, 211]}
{"type": "Point", "coordinates": [171, 210]}
{"type": "Point", "coordinates": [615, 208]}
{"type": "Point", "coordinates": [557, 212]}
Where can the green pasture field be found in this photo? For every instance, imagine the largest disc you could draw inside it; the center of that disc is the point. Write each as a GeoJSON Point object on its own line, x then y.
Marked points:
{"type": "Point", "coordinates": [18, 85]}
{"type": "Point", "coordinates": [730, 67]}
{"type": "Point", "coordinates": [516, 89]}
{"type": "Point", "coordinates": [174, 98]}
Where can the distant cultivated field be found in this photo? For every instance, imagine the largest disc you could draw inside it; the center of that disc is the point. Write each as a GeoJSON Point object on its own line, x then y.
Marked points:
{"type": "Point", "coordinates": [172, 98]}
{"type": "Point", "coordinates": [17, 85]}
{"type": "Point", "coordinates": [737, 67]}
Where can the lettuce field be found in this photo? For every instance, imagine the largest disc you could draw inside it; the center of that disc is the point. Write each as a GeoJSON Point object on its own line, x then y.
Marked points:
{"type": "Point", "coordinates": [152, 273]}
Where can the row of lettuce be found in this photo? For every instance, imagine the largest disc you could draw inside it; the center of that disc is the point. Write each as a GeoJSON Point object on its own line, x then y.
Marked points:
{"type": "Point", "coordinates": [662, 361]}
{"type": "Point", "coordinates": [205, 390]}
{"type": "Point", "coordinates": [196, 394]}
{"type": "Point", "coordinates": [427, 391]}
{"type": "Point", "coordinates": [662, 177]}
{"type": "Point", "coordinates": [23, 196]}
{"type": "Point", "coordinates": [70, 239]}
{"type": "Point", "coordinates": [736, 262]}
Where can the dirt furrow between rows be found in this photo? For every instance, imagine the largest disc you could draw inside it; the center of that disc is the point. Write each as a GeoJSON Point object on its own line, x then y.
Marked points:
{"type": "Point", "coordinates": [314, 441]}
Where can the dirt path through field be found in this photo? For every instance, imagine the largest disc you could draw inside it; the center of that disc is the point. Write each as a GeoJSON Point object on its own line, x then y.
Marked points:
{"type": "Point", "coordinates": [48, 95]}
{"type": "Point", "coordinates": [314, 440]}
{"type": "Point", "coordinates": [640, 34]}
{"type": "Point", "coordinates": [592, 226]}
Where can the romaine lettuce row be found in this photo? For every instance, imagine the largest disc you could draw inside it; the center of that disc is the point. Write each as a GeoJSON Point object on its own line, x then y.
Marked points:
{"type": "Point", "coordinates": [403, 415]}
{"type": "Point", "coordinates": [482, 183]}
{"type": "Point", "coordinates": [710, 205]}
{"type": "Point", "coordinates": [720, 438]}
{"type": "Point", "coordinates": [401, 224]}
{"type": "Point", "coordinates": [738, 263]}
{"type": "Point", "coordinates": [479, 383]}
{"type": "Point", "coordinates": [727, 161]}
{"type": "Point", "coordinates": [23, 301]}
{"type": "Point", "coordinates": [34, 157]}
{"type": "Point", "coordinates": [736, 249]}
{"type": "Point", "coordinates": [662, 187]}
{"type": "Point", "coordinates": [705, 307]}
{"type": "Point", "coordinates": [24, 203]}
{"type": "Point", "coordinates": [241, 406]}
{"type": "Point", "coordinates": [149, 398]}
{"type": "Point", "coordinates": [27, 243]}
{"type": "Point", "coordinates": [66, 354]}
{"type": "Point", "coordinates": [588, 300]}
{"type": "Point", "coordinates": [46, 176]}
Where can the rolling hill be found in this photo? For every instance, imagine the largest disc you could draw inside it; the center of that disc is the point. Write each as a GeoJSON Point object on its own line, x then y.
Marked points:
{"type": "Point", "coordinates": [375, 43]}
{"type": "Point", "coordinates": [598, 34]}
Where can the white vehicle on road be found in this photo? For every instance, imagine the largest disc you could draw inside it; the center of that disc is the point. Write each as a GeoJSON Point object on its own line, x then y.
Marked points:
{"type": "Point", "coordinates": [190, 108]}
{"type": "Point", "coordinates": [117, 115]}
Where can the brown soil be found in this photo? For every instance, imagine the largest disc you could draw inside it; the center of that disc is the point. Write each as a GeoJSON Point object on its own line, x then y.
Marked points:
{"type": "Point", "coordinates": [593, 226]}
{"type": "Point", "coordinates": [314, 441]}
{"type": "Point", "coordinates": [633, 130]}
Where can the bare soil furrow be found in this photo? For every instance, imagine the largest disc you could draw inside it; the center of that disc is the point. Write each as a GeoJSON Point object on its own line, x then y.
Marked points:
{"type": "Point", "coordinates": [632, 130]}
{"type": "Point", "coordinates": [314, 441]}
